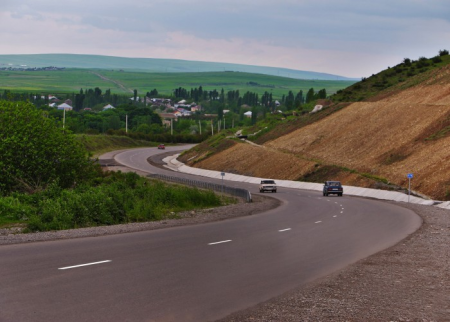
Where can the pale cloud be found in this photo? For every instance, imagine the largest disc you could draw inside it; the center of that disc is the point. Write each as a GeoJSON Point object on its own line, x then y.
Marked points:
{"type": "Point", "coordinates": [345, 37]}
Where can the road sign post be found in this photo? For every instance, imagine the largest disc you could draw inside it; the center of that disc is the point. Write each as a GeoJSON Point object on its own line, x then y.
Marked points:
{"type": "Point", "coordinates": [223, 175]}
{"type": "Point", "coordinates": [410, 176]}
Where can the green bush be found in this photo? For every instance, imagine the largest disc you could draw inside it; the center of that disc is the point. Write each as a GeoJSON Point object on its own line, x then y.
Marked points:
{"type": "Point", "coordinates": [35, 152]}
{"type": "Point", "coordinates": [12, 210]}
{"type": "Point", "coordinates": [120, 198]}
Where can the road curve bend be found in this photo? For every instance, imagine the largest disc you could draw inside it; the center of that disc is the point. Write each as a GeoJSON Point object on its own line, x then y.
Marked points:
{"type": "Point", "coordinates": [195, 273]}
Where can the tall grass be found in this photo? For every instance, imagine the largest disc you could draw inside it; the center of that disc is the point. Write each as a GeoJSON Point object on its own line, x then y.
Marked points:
{"type": "Point", "coordinates": [120, 198]}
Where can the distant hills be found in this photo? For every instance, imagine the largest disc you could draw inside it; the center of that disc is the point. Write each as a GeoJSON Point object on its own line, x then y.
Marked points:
{"type": "Point", "coordinates": [152, 65]}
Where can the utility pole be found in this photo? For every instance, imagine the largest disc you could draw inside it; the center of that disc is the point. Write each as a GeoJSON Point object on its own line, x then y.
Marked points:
{"type": "Point", "coordinates": [126, 123]}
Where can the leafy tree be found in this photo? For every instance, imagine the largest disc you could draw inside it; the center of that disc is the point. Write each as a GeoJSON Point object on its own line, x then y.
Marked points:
{"type": "Point", "coordinates": [310, 95]}
{"type": "Point", "coordinates": [220, 112]}
{"type": "Point", "coordinates": [322, 94]}
{"type": "Point", "coordinates": [254, 115]}
{"type": "Point", "coordinates": [34, 152]}
{"type": "Point", "coordinates": [135, 96]}
{"type": "Point", "coordinates": [443, 52]}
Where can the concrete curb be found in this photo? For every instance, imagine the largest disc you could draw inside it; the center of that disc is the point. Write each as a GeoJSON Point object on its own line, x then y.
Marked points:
{"type": "Point", "coordinates": [175, 165]}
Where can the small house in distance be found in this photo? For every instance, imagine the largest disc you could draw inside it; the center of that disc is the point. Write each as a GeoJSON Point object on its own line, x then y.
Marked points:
{"type": "Point", "coordinates": [64, 106]}
{"type": "Point", "coordinates": [107, 107]}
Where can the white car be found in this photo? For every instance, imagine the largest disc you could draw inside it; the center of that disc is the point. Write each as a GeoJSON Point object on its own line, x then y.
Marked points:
{"type": "Point", "coordinates": [268, 185]}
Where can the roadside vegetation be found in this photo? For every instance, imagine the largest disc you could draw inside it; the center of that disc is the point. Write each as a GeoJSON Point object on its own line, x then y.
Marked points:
{"type": "Point", "coordinates": [402, 76]}
{"type": "Point", "coordinates": [49, 181]}
{"type": "Point", "coordinates": [114, 198]}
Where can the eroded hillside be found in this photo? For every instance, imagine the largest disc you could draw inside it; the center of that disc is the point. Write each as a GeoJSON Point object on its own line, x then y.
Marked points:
{"type": "Point", "coordinates": [365, 143]}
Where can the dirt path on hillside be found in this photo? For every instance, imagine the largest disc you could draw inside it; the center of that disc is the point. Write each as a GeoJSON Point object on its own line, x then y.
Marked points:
{"type": "Point", "coordinates": [115, 82]}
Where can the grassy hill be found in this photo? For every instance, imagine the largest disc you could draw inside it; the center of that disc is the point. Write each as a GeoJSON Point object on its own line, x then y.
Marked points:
{"type": "Point", "coordinates": [71, 80]}
{"type": "Point", "coordinates": [372, 134]}
{"type": "Point", "coordinates": [153, 65]}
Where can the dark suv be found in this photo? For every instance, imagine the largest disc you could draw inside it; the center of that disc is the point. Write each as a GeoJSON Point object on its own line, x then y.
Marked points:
{"type": "Point", "coordinates": [332, 187]}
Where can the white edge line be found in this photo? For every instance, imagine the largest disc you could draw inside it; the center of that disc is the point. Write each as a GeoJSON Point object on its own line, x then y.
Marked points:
{"type": "Point", "coordinates": [88, 264]}
{"type": "Point", "coordinates": [284, 230]}
{"type": "Point", "coordinates": [317, 222]}
{"type": "Point", "coordinates": [220, 242]}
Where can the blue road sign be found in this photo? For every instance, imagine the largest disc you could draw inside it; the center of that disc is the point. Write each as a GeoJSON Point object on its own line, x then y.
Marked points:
{"type": "Point", "coordinates": [410, 175]}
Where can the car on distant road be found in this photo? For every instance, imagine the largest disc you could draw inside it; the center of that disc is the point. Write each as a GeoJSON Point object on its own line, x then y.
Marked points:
{"type": "Point", "coordinates": [332, 187]}
{"type": "Point", "coordinates": [161, 146]}
{"type": "Point", "coordinates": [268, 185]}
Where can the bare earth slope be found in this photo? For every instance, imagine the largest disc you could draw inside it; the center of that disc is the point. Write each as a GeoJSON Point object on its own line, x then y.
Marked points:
{"type": "Point", "coordinates": [404, 132]}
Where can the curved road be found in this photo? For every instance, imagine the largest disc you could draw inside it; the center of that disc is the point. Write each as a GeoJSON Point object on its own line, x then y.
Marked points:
{"type": "Point", "coordinates": [195, 273]}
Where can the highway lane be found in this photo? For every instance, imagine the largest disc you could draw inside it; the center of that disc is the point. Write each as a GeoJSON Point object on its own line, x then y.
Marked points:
{"type": "Point", "coordinates": [195, 273]}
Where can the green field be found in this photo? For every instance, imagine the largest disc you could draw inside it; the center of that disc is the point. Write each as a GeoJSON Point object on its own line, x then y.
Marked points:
{"type": "Point", "coordinates": [121, 82]}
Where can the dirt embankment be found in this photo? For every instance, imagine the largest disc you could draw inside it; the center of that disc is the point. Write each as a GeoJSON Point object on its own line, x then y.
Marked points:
{"type": "Point", "coordinates": [404, 133]}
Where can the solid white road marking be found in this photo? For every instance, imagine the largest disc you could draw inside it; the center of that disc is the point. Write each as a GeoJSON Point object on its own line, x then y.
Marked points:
{"type": "Point", "coordinates": [88, 264]}
{"type": "Point", "coordinates": [317, 222]}
{"type": "Point", "coordinates": [220, 242]}
{"type": "Point", "coordinates": [284, 230]}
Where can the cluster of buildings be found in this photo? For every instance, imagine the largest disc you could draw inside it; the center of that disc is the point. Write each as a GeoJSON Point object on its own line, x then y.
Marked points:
{"type": "Point", "coordinates": [163, 106]}
{"type": "Point", "coordinates": [25, 68]}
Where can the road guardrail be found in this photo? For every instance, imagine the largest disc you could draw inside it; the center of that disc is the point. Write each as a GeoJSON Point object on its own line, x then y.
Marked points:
{"type": "Point", "coordinates": [237, 192]}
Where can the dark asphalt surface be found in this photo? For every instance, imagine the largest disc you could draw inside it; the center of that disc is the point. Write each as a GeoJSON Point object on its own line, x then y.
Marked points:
{"type": "Point", "coordinates": [195, 273]}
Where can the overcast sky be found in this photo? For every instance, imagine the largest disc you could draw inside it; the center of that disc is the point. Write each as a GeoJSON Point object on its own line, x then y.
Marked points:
{"type": "Point", "coordinates": [352, 38]}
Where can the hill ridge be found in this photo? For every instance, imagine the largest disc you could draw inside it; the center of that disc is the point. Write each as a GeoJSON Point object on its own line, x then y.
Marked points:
{"type": "Point", "coordinates": [154, 65]}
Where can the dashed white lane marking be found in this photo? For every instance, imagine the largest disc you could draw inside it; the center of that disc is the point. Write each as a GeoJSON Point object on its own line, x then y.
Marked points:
{"type": "Point", "coordinates": [87, 264]}
{"type": "Point", "coordinates": [342, 212]}
{"type": "Point", "coordinates": [334, 216]}
{"type": "Point", "coordinates": [317, 222]}
{"type": "Point", "coordinates": [220, 242]}
{"type": "Point", "coordinates": [284, 230]}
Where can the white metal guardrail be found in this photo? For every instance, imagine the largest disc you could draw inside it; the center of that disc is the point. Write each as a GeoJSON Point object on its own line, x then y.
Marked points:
{"type": "Point", "coordinates": [237, 192]}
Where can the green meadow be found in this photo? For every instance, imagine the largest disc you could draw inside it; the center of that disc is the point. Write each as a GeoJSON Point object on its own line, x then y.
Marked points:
{"type": "Point", "coordinates": [122, 82]}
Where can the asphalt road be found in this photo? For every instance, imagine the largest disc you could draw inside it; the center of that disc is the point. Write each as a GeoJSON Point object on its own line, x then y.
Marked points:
{"type": "Point", "coordinates": [195, 273]}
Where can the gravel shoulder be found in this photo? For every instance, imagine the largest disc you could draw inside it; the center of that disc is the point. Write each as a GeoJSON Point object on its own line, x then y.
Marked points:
{"type": "Point", "coordinates": [407, 282]}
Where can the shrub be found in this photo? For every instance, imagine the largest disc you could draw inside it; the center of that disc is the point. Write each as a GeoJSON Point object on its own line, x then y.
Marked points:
{"type": "Point", "coordinates": [121, 198]}
{"type": "Point", "coordinates": [12, 210]}
{"type": "Point", "coordinates": [436, 59]}
{"type": "Point", "coordinates": [35, 152]}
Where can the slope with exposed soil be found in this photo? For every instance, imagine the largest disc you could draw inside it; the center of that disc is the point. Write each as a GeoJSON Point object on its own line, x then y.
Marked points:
{"type": "Point", "coordinates": [381, 140]}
